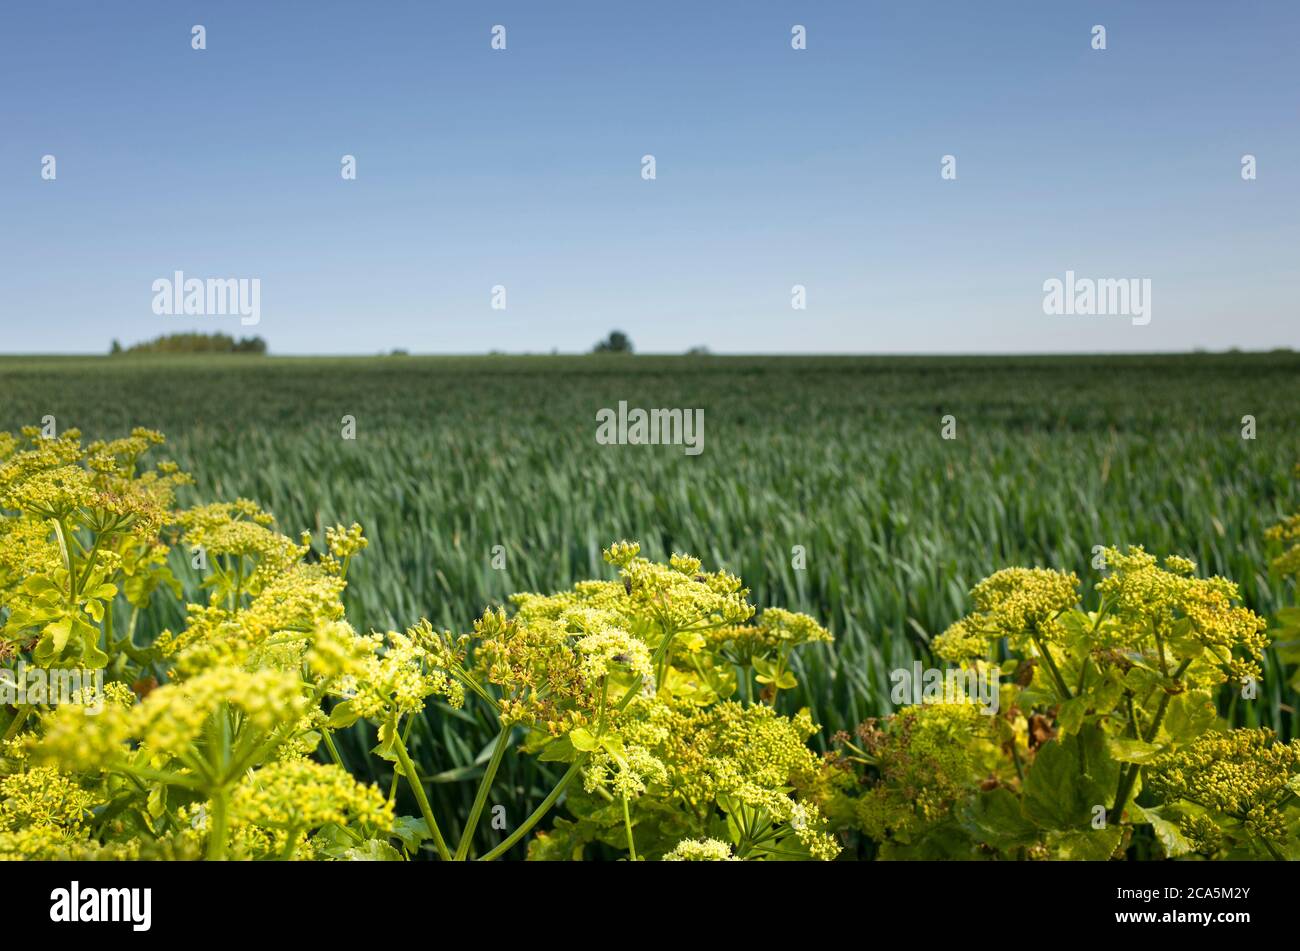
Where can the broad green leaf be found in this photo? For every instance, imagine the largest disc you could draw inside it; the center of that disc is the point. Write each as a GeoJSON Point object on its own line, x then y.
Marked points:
{"type": "Point", "coordinates": [1095, 845]}
{"type": "Point", "coordinates": [583, 740]}
{"type": "Point", "coordinates": [1171, 840]}
{"type": "Point", "coordinates": [1128, 750]}
{"type": "Point", "coordinates": [559, 750]}
{"type": "Point", "coordinates": [1189, 715]}
{"type": "Point", "coordinates": [1069, 777]}
{"type": "Point", "coordinates": [40, 584]}
{"type": "Point", "coordinates": [373, 850]}
{"type": "Point", "coordinates": [344, 715]}
{"type": "Point", "coordinates": [996, 819]}
{"type": "Point", "coordinates": [59, 633]}
{"type": "Point", "coordinates": [411, 831]}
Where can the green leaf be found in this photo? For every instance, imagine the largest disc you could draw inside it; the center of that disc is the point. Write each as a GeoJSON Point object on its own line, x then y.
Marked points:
{"type": "Point", "coordinates": [91, 655]}
{"type": "Point", "coordinates": [559, 750]}
{"type": "Point", "coordinates": [344, 715]}
{"type": "Point", "coordinates": [37, 585]}
{"type": "Point", "coordinates": [1189, 715]}
{"type": "Point", "coordinates": [1095, 845]}
{"type": "Point", "coordinates": [996, 819]}
{"type": "Point", "coordinates": [1129, 750]}
{"type": "Point", "coordinates": [373, 850]}
{"type": "Point", "coordinates": [1071, 715]}
{"type": "Point", "coordinates": [1070, 776]}
{"type": "Point", "coordinates": [583, 740]}
{"type": "Point", "coordinates": [59, 632]}
{"type": "Point", "coordinates": [386, 749]}
{"type": "Point", "coordinates": [411, 831]}
{"type": "Point", "coordinates": [1171, 840]}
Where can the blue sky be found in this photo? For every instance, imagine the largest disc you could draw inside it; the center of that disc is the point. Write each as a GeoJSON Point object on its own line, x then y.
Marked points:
{"type": "Point", "coordinates": [775, 167]}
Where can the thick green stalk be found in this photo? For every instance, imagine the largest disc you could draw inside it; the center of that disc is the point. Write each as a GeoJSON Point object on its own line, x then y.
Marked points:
{"type": "Point", "coordinates": [577, 764]}
{"type": "Point", "coordinates": [1051, 666]}
{"type": "Point", "coordinates": [218, 828]}
{"type": "Point", "coordinates": [16, 724]}
{"type": "Point", "coordinates": [484, 786]}
{"type": "Point", "coordinates": [1128, 777]}
{"type": "Point", "coordinates": [539, 812]}
{"type": "Point", "coordinates": [417, 787]}
{"type": "Point", "coordinates": [627, 824]}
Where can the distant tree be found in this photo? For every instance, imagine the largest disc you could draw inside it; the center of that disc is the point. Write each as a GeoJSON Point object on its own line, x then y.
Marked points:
{"type": "Point", "coordinates": [195, 343]}
{"type": "Point", "coordinates": [700, 351]}
{"type": "Point", "coordinates": [116, 348]}
{"type": "Point", "coordinates": [616, 342]}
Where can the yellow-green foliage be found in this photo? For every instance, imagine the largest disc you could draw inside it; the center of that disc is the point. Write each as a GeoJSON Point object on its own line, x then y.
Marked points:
{"type": "Point", "coordinates": [659, 698]}
{"type": "Point", "coordinates": [217, 739]}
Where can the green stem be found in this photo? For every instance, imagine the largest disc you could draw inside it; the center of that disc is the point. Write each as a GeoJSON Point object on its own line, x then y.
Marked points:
{"type": "Point", "coordinates": [16, 724]}
{"type": "Point", "coordinates": [218, 825]}
{"type": "Point", "coordinates": [539, 812]}
{"type": "Point", "coordinates": [627, 824]}
{"type": "Point", "coordinates": [1051, 666]}
{"type": "Point", "coordinates": [406, 735]}
{"type": "Point", "coordinates": [573, 769]}
{"type": "Point", "coordinates": [334, 750]}
{"type": "Point", "coordinates": [503, 741]}
{"type": "Point", "coordinates": [1128, 777]}
{"type": "Point", "coordinates": [417, 787]}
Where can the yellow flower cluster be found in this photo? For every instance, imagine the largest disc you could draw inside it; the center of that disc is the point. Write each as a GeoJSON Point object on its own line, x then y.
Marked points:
{"type": "Point", "coordinates": [1147, 601]}
{"type": "Point", "coordinates": [1017, 603]}
{"type": "Point", "coordinates": [751, 754]}
{"type": "Point", "coordinates": [927, 756]}
{"type": "Point", "coordinates": [1240, 774]}
{"type": "Point", "coordinates": [171, 719]}
{"type": "Point", "coordinates": [276, 807]}
{"type": "Point", "coordinates": [42, 796]}
{"type": "Point", "coordinates": [700, 850]}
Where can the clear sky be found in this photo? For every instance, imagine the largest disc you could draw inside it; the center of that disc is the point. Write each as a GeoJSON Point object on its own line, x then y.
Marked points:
{"type": "Point", "coordinates": [774, 167]}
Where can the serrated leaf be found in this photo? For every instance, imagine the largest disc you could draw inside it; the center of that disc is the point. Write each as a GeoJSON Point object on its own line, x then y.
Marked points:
{"type": "Point", "coordinates": [411, 831]}
{"type": "Point", "coordinates": [583, 740]}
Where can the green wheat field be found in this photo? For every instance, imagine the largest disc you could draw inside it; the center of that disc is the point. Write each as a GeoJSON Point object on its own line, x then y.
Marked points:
{"type": "Point", "coordinates": [454, 456]}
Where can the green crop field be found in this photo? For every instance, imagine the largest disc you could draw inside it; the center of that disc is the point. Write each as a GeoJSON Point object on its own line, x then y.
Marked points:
{"type": "Point", "coordinates": [454, 456]}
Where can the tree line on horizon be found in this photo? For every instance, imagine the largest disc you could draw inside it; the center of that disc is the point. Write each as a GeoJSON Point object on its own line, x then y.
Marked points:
{"type": "Point", "coordinates": [193, 343]}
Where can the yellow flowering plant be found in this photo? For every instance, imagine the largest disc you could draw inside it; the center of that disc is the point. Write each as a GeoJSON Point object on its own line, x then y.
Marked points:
{"type": "Point", "coordinates": [655, 696]}
{"type": "Point", "coordinates": [1106, 723]}
{"type": "Point", "coordinates": [216, 739]}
